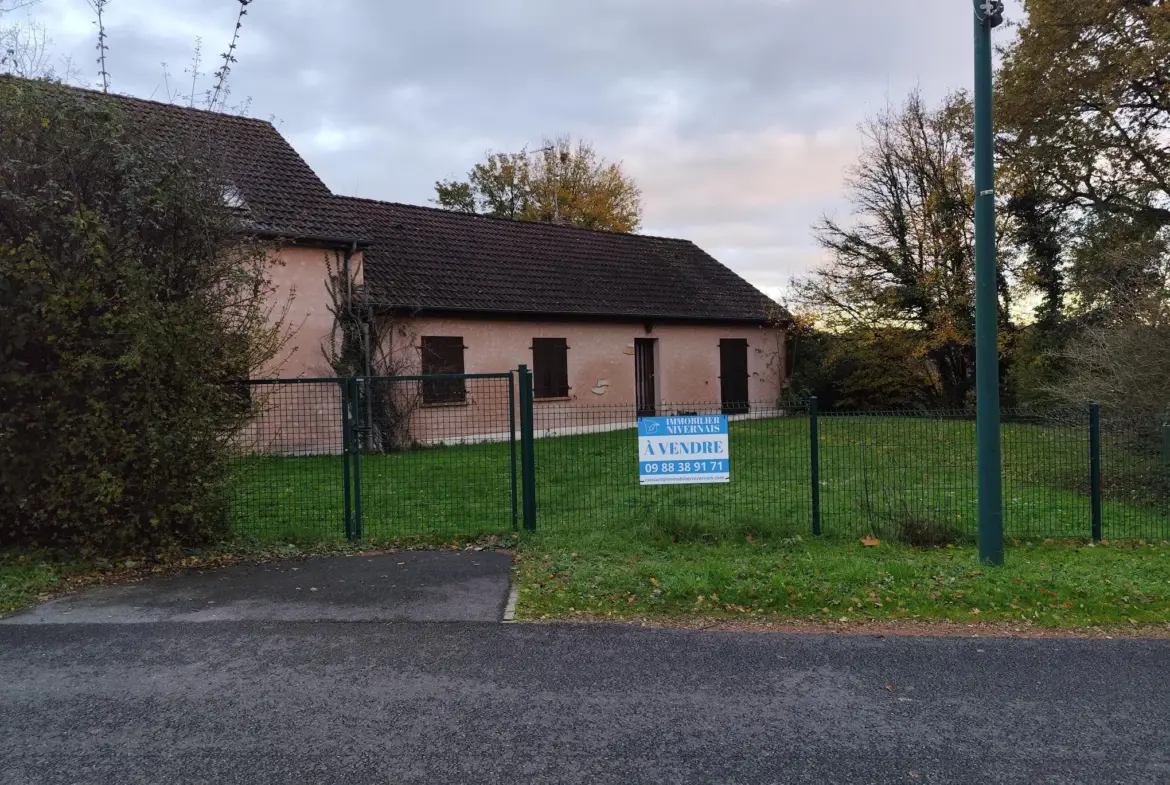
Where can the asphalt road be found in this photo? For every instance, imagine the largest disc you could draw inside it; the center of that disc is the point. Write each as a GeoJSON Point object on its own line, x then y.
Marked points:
{"type": "Point", "coordinates": [254, 702]}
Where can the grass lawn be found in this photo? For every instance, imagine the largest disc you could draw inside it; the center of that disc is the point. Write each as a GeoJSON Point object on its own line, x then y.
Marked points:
{"type": "Point", "coordinates": [877, 474]}
{"type": "Point", "coordinates": [644, 572]}
{"type": "Point", "coordinates": [26, 576]}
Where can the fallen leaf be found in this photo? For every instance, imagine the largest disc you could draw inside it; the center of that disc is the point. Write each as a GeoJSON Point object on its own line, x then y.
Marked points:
{"type": "Point", "coordinates": [890, 687]}
{"type": "Point", "coordinates": [870, 542]}
{"type": "Point", "coordinates": [654, 581]}
{"type": "Point", "coordinates": [975, 611]}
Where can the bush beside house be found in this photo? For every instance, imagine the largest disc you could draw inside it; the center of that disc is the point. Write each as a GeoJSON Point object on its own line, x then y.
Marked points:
{"type": "Point", "coordinates": [128, 297]}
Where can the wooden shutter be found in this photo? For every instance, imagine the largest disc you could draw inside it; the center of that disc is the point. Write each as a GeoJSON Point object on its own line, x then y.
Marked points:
{"type": "Point", "coordinates": [550, 368]}
{"type": "Point", "coordinates": [443, 355]}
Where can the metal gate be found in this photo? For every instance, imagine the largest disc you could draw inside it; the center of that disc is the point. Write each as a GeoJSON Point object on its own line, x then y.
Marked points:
{"type": "Point", "coordinates": [431, 455]}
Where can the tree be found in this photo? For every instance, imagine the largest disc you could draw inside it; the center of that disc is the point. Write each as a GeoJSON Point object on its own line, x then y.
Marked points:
{"type": "Point", "coordinates": [365, 341]}
{"type": "Point", "coordinates": [1084, 109]}
{"type": "Point", "coordinates": [23, 47]}
{"type": "Point", "coordinates": [130, 305]}
{"type": "Point", "coordinates": [1085, 97]}
{"type": "Point", "coordinates": [904, 267]}
{"type": "Point", "coordinates": [562, 182]}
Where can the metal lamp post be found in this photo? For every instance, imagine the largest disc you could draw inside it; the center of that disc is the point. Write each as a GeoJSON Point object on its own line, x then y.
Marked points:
{"type": "Point", "coordinates": [988, 14]}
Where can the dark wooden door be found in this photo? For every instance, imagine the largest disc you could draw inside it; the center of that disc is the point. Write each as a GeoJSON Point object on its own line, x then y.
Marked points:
{"type": "Point", "coordinates": [733, 375]}
{"type": "Point", "coordinates": [645, 383]}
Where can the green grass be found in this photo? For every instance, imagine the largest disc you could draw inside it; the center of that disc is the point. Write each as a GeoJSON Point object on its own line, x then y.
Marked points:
{"type": "Point", "coordinates": [878, 474]}
{"type": "Point", "coordinates": [662, 568]}
{"type": "Point", "coordinates": [24, 577]}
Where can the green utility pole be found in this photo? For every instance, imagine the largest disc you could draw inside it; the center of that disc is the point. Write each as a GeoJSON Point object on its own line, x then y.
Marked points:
{"type": "Point", "coordinates": [988, 14]}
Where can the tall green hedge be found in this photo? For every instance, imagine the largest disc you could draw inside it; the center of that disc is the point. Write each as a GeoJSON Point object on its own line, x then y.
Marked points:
{"type": "Point", "coordinates": [128, 298]}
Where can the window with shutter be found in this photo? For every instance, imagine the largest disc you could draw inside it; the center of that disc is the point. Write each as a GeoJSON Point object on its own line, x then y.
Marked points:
{"type": "Point", "coordinates": [442, 355]}
{"type": "Point", "coordinates": [550, 368]}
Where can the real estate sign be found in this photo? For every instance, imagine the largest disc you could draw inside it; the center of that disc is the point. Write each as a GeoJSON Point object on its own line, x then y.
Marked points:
{"type": "Point", "coordinates": [683, 450]}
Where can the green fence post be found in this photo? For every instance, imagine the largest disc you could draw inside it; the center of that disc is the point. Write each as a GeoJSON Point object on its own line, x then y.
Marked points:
{"type": "Point", "coordinates": [356, 443]}
{"type": "Point", "coordinates": [987, 426]}
{"type": "Point", "coordinates": [1095, 467]}
{"type": "Point", "coordinates": [346, 450]}
{"type": "Point", "coordinates": [814, 444]}
{"type": "Point", "coordinates": [527, 449]}
{"type": "Point", "coordinates": [512, 448]}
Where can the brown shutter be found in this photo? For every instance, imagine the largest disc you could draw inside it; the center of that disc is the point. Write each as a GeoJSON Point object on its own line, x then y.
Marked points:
{"type": "Point", "coordinates": [550, 368]}
{"type": "Point", "coordinates": [442, 355]}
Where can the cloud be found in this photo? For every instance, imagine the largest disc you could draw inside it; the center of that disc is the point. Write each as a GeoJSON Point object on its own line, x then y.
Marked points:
{"type": "Point", "coordinates": [737, 117]}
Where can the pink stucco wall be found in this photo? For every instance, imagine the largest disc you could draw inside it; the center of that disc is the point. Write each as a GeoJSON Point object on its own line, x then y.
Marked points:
{"type": "Point", "coordinates": [601, 371]}
{"type": "Point", "coordinates": [302, 418]}
{"type": "Point", "coordinates": [299, 277]}
{"type": "Point", "coordinates": [305, 418]}
{"type": "Point", "coordinates": [601, 356]}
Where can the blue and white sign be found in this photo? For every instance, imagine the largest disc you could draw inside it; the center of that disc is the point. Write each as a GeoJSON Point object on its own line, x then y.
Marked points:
{"type": "Point", "coordinates": [683, 450]}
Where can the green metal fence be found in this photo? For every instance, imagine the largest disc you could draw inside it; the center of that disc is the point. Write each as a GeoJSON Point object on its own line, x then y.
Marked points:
{"type": "Point", "coordinates": [378, 458]}
{"type": "Point", "coordinates": [476, 454]}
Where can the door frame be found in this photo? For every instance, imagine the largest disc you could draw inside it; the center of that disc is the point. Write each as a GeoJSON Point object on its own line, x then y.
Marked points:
{"type": "Point", "coordinates": [646, 376]}
{"type": "Point", "coordinates": [728, 405]}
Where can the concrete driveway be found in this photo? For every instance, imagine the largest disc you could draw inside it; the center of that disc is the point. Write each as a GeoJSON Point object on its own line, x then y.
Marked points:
{"type": "Point", "coordinates": [246, 699]}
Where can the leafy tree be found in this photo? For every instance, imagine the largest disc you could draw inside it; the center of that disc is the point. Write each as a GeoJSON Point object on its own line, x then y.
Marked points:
{"type": "Point", "coordinates": [1085, 97]}
{"type": "Point", "coordinates": [129, 302]}
{"type": "Point", "coordinates": [904, 265]}
{"type": "Point", "coordinates": [562, 182]}
{"type": "Point", "coordinates": [1084, 107]}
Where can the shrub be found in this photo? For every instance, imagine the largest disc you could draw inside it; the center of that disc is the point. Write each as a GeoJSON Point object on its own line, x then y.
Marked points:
{"type": "Point", "coordinates": [920, 531]}
{"type": "Point", "coordinates": [128, 298]}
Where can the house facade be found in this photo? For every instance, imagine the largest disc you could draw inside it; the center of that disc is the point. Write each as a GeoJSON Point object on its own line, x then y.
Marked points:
{"type": "Point", "coordinates": [640, 325]}
{"type": "Point", "coordinates": [610, 323]}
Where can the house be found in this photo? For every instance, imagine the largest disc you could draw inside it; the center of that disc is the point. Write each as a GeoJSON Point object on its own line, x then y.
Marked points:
{"type": "Point", "coordinates": [600, 317]}
{"type": "Point", "coordinates": [626, 322]}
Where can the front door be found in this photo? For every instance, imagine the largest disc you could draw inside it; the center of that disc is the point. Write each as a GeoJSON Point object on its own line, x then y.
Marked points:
{"type": "Point", "coordinates": [733, 375]}
{"type": "Point", "coordinates": [645, 383]}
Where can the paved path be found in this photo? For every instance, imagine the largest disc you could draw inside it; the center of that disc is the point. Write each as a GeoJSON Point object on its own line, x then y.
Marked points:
{"type": "Point", "coordinates": [408, 586]}
{"type": "Point", "coordinates": [271, 701]}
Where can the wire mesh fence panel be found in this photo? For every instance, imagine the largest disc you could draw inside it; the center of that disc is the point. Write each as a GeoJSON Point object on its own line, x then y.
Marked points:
{"type": "Point", "coordinates": [1135, 474]}
{"type": "Point", "coordinates": [1046, 489]}
{"type": "Point", "coordinates": [894, 474]}
{"type": "Point", "coordinates": [437, 455]}
{"type": "Point", "coordinates": [288, 483]}
{"type": "Point", "coordinates": [587, 474]}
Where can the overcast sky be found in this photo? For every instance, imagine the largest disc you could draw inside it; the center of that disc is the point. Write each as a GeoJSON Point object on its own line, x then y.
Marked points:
{"type": "Point", "coordinates": [736, 117]}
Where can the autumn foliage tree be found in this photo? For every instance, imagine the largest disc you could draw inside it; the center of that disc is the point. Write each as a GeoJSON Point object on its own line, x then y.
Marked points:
{"type": "Point", "coordinates": [1084, 143]}
{"type": "Point", "coordinates": [901, 269]}
{"type": "Point", "coordinates": [563, 182]}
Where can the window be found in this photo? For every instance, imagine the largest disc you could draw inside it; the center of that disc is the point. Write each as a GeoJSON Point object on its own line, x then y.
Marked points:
{"type": "Point", "coordinates": [550, 368]}
{"type": "Point", "coordinates": [442, 355]}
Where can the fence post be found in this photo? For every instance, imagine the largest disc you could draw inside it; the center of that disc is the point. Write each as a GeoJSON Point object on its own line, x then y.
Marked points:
{"type": "Point", "coordinates": [512, 448]}
{"type": "Point", "coordinates": [1095, 467]}
{"type": "Point", "coordinates": [346, 451]}
{"type": "Point", "coordinates": [814, 443]}
{"type": "Point", "coordinates": [356, 445]}
{"type": "Point", "coordinates": [527, 449]}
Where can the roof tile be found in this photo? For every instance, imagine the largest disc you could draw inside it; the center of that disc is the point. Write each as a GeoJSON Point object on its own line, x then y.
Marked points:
{"type": "Point", "coordinates": [424, 258]}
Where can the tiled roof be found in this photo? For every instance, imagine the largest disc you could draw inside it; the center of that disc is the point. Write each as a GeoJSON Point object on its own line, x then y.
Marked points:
{"type": "Point", "coordinates": [282, 195]}
{"type": "Point", "coordinates": [424, 258]}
